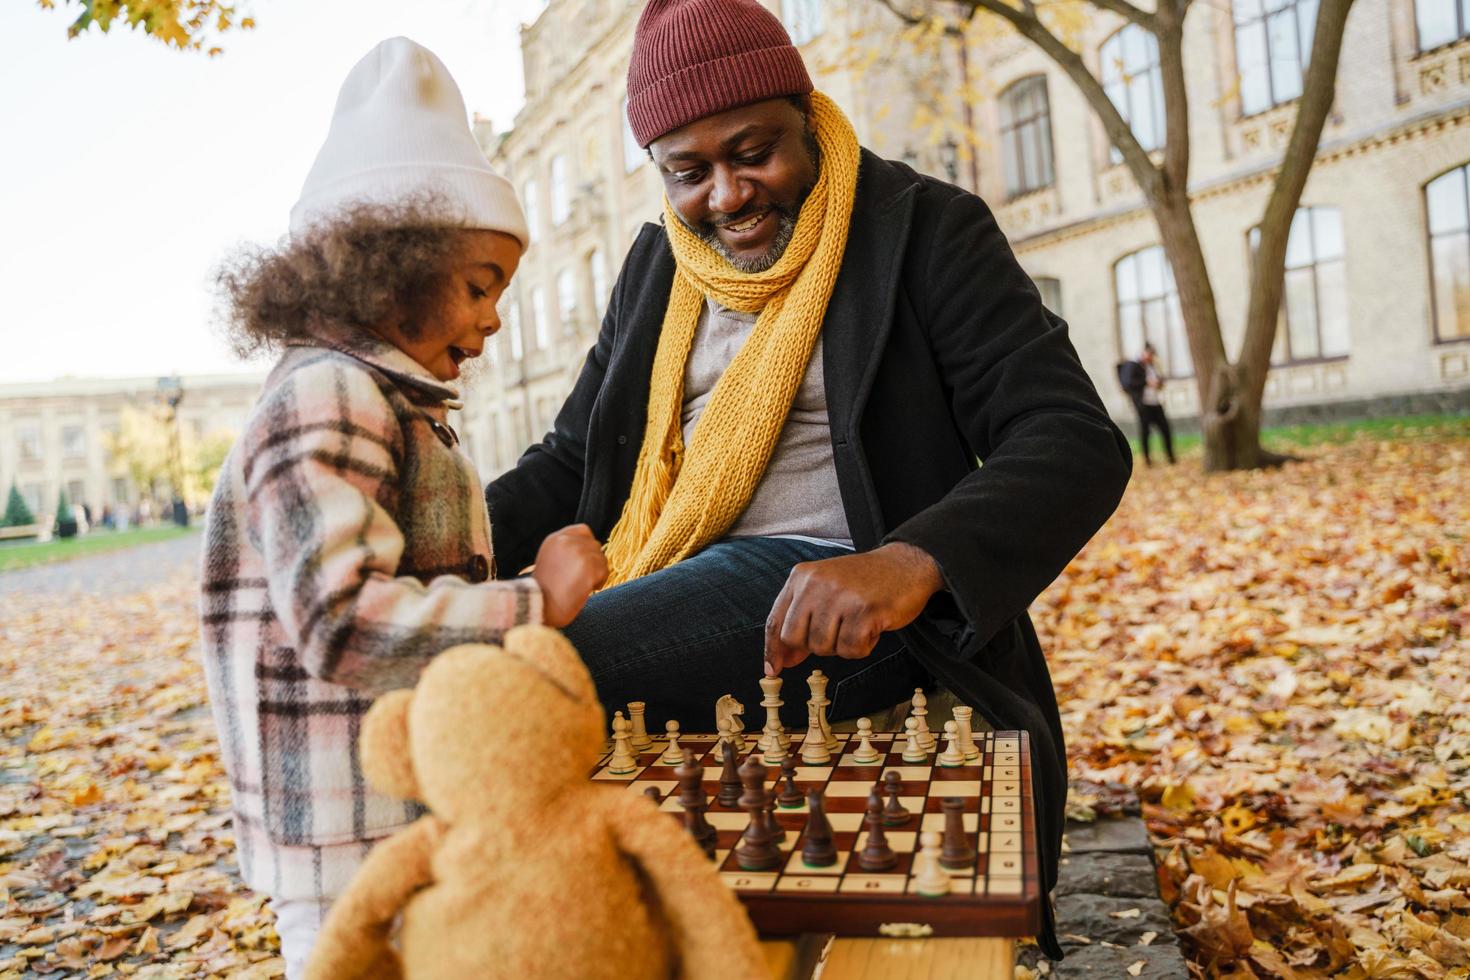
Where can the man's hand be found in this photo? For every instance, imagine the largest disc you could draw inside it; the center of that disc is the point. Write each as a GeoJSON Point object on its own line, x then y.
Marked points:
{"type": "Point", "coordinates": [839, 606]}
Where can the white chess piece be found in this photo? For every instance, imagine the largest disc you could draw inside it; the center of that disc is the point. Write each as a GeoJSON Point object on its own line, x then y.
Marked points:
{"type": "Point", "coordinates": [818, 684]}
{"type": "Point", "coordinates": [638, 737]}
{"type": "Point", "coordinates": [913, 750]}
{"type": "Point", "coordinates": [962, 717]}
{"type": "Point", "coordinates": [623, 761]}
{"type": "Point", "coordinates": [930, 878]}
{"type": "Point", "coordinates": [953, 755]}
{"type": "Point", "coordinates": [814, 743]}
{"type": "Point", "coordinates": [865, 753]}
{"type": "Point", "coordinates": [725, 735]}
{"type": "Point", "coordinates": [920, 714]}
{"type": "Point", "coordinates": [673, 755]}
{"type": "Point", "coordinates": [773, 742]}
{"type": "Point", "coordinates": [727, 708]}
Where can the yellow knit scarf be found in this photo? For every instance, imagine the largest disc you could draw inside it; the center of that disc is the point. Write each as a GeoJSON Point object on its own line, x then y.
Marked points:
{"type": "Point", "coordinates": [681, 500]}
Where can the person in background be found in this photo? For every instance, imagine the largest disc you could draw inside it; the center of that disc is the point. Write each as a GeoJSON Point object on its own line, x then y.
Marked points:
{"type": "Point", "coordinates": [1145, 394]}
{"type": "Point", "coordinates": [348, 540]}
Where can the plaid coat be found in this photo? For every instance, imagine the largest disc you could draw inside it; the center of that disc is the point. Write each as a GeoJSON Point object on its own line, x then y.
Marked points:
{"type": "Point", "coordinates": [347, 543]}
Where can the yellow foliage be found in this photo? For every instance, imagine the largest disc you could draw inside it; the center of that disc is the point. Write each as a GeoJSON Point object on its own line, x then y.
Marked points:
{"type": "Point", "coordinates": [181, 24]}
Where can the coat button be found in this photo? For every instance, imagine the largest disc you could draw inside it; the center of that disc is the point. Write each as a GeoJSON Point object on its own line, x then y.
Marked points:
{"type": "Point", "coordinates": [478, 568]}
{"type": "Point", "coordinates": [444, 432]}
{"type": "Point", "coordinates": [622, 440]}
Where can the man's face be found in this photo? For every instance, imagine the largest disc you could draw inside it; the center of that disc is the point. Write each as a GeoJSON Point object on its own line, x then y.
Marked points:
{"type": "Point", "coordinates": [738, 179]}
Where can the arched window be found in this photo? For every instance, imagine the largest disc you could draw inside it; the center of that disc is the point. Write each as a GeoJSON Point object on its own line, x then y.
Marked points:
{"type": "Point", "coordinates": [633, 154]}
{"type": "Point", "coordinates": [1134, 83]}
{"type": "Point", "coordinates": [1025, 136]}
{"type": "Point", "coordinates": [541, 325]}
{"type": "Point", "coordinates": [1051, 293]}
{"type": "Point", "coordinates": [1273, 42]}
{"type": "Point", "coordinates": [1148, 311]}
{"type": "Point", "coordinates": [1441, 21]}
{"type": "Point", "coordinates": [566, 300]}
{"type": "Point", "coordinates": [1314, 317]}
{"type": "Point", "coordinates": [1445, 200]}
{"type": "Point", "coordinates": [513, 327]}
{"type": "Point", "coordinates": [561, 192]}
{"type": "Point", "coordinates": [531, 201]}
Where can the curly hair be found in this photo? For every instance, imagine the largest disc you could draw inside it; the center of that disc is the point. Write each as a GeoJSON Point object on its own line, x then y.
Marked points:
{"type": "Point", "coordinates": [372, 264]}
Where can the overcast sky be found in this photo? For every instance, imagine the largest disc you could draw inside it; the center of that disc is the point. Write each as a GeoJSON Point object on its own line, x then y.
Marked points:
{"type": "Point", "coordinates": [128, 169]}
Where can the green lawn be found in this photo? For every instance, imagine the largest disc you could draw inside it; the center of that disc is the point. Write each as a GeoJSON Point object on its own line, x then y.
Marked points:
{"type": "Point", "coordinates": [25, 554]}
{"type": "Point", "coordinates": [1287, 438]}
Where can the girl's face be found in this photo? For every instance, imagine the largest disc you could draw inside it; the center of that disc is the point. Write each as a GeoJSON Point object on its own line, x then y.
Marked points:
{"type": "Point", "coordinates": [466, 316]}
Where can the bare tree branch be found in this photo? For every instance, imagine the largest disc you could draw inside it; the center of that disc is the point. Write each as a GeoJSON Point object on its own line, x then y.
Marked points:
{"type": "Point", "coordinates": [1319, 89]}
{"type": "Point", "coordinates": [1134, 14]}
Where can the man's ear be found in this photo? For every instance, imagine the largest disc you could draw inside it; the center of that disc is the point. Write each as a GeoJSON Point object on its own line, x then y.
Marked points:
{"type": "Point", "coordinates": [383, 746]}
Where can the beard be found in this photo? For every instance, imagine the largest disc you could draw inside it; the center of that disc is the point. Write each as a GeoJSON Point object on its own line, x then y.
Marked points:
{"type": "Point", "coordinates": [786, 215]}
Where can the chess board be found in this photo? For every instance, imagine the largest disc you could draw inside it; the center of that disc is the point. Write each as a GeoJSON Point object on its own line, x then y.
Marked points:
{"type": "Point", "coordinates": [999, 896]}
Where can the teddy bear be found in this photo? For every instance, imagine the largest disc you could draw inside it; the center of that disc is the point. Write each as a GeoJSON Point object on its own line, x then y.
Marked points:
{"type": "Point", "coordinates": [523, 867]}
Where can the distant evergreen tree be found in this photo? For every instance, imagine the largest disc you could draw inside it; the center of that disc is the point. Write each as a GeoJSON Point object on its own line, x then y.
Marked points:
{"type": "Point", "coordinates": [66, 521]}
{"type": "Point", "coordinates": [16, 511]}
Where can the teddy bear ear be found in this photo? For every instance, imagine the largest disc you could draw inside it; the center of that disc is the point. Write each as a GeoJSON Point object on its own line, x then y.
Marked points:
{"type": "Point", "coordinates": [383, 746]}
{"type": "Point", "coordinates": [553, 655]}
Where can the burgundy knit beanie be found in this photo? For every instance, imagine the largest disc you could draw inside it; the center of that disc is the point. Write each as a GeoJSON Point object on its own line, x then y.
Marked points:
{"type": "Point", "coordinates": [695, 58]}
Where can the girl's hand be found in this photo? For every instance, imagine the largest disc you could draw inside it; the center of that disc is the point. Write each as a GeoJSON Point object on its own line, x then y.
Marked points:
{"type": "Point", "coordinates": [569, 566]}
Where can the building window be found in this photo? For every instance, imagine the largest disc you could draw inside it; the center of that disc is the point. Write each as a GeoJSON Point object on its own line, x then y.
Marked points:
{"type": "Point", "coordinates": [1148, 311]}
{"type": "Point", "coordinates": [29, 438]}
{"type": "Point", "coordinates": [1441, 21]}
{"type": "Point", "coordinates": [566, 301]}
{"type": "Point", "coordinates": [1025, 136]}
{"type": "Point", "coordinates": [1134, 83]}
{"type": "Point", "coordinates": [513, 325]}
{"type": "Point", "coordinates": [1051, 293]}
{"type": "Point", "coordinates": [633, 155]}
{"type": "Point", "coordinates": [540, 326]}
{"type": "Point", "coordinates": [31, 492]}
{"type": "Point", "coordinates": [1445, 198]}
{"type": "Point", "coordinates": [561, 193]}
{"type": "Point", "coordinates": [597, 269]}
{"type": "Point", "coordinates": [73, 442]}
{"type": "Point", "coordinates": [803, 19]}
{"type": "Point", "coordinates": [531, 200]}
{"type": "Point", "coordinates": [1273, 42]}
{"type": "Point", "coordinates": [1314, 318]}
{"type": "Point", "coordinates": [119, 491]}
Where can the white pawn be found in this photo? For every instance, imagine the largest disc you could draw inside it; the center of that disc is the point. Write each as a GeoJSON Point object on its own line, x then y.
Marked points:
{"type": "Point", "coordinates": [930, 878]}
{"type": "Point", "coordinates": [622, 761]}
{"type": "Point", "coordinates": [814, 745]}
{"type": "Point", "coordinates": [913, 750]}
{"type": "Point", "coordinates": [865, 753]}
{"type": "Point", "coordinates": [921, 715]}
{"type": "Point", "coordinates": [962, 716]}
{"type": "Point", "coordinates": [726, 735]}
{"type": "Point", "coordinates": [673, 755]}
{"type": "Point", "coordinates": [953, 755]}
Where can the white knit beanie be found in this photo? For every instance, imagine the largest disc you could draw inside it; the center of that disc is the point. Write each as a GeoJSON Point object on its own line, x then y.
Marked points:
{"type": "Point", "coordinates": [399, 130]}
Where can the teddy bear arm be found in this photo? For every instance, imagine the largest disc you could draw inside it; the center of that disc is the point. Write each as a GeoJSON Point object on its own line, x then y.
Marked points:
{"type": "Point", "coordinates": [711, 931]}
{"type": "Point", "coordinates": [354, 940]}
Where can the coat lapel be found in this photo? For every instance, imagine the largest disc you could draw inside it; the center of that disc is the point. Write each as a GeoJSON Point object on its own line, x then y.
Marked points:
{"type": "Point", "coordinates": [859, 318]}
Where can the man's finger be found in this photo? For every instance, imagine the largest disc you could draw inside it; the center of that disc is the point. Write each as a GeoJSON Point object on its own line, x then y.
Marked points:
{"type": "Point", "coordinates": [774, 622]}
{"type": "Point", "coordinates": [822, 631]}
{"type": "Point", "coordinates": [856, 638]}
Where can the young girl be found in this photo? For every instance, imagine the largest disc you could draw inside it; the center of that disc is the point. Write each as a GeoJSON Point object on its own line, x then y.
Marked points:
{"type": "Point", "coordinates": [348, 540]}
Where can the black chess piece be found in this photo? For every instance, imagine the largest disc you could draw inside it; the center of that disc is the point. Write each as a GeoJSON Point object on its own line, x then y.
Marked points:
{"type": "Point", "coordinates": [955, 852]}
{"type": "Point", "coordinates": [774, 830]}
{"type": "Point", "coordinates": [817, 850]}
{"type": "Point", "coordinates": [895, 814]}
{"type": "Point", "coordinates": [729, 794]}
{"type": "Point", "coordinates": [790, 796]}
{"type": "Point", "coordinates": [691, 797]}
{"type": "Point", "coordinates": [756, 851]}
{"type": "Point", "coordinates": [653, 794]}
{"type": "Point", "coordinates": [876, 855]}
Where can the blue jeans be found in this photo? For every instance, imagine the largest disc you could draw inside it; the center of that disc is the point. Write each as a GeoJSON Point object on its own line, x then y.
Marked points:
{"type": "Point", "coordinates": [682, 637]}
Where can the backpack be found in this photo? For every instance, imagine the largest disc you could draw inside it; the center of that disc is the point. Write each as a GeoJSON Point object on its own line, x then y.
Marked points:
{"type": "Point", "coordinates": [1131, 377]}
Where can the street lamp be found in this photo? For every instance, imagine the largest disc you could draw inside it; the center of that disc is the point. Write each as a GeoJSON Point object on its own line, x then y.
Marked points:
{"type": "Point", "coordinates": [171, 390]}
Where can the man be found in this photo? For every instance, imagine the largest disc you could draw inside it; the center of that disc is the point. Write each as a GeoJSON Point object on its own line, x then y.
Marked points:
{"type": "Point", "coordinates": [1143, 384]}
{"type": "Point", "coordinates": [777, 430]}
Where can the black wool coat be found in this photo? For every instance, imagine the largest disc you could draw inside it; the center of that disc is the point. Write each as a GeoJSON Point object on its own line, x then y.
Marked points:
{"type": "Point", "coordinates": [937, 353]}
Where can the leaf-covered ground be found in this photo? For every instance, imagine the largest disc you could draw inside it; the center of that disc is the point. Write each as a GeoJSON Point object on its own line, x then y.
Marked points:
{"type": "Point", "coordinates": [1278, 662]}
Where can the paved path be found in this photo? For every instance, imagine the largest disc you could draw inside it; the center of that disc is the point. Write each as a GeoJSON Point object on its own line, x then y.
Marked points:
{"type": "Point", "coordinates": [110, 573]}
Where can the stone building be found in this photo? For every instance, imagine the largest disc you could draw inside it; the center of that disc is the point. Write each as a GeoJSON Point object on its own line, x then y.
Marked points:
{"type": "Point", "coordinates": [1377, 306]}
{"type": "Point", "coordinates": [54, 434]}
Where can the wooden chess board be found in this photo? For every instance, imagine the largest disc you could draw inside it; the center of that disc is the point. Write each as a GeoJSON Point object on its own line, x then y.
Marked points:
{"type": "Point", "coordinates": [999, 896]}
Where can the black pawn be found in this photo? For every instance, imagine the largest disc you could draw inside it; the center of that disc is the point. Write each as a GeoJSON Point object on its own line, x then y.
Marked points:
{"type": "Point", "coordinates": [729, 794]}
{"type": "Point", "coordinates": [818, 851]}
{"type": "Point", "coordinates": [774, 830]}
{"type": "Point", "coordinates": [691, 797]}
{"type": "Point", "coordinates": [756, 851]}
{"type": "Point", "coordinates": [876, 855]}
{"type": "Point", "coordinates": [653, 794]}
{"type": "Point", "coordinates": [790, 796]}
{"type": "Point", "coordinates": [955, 851]}
{"type": "Point", "coordinates": [895, 814]}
